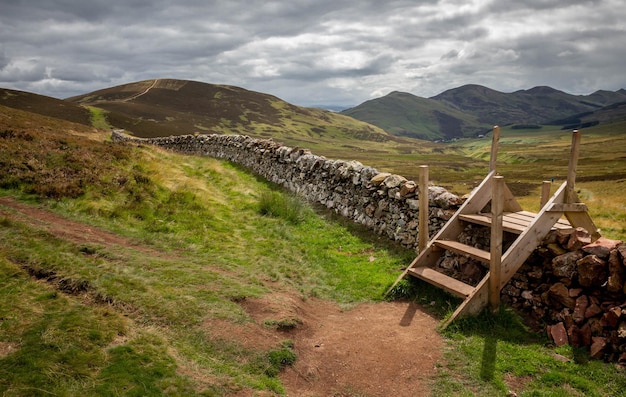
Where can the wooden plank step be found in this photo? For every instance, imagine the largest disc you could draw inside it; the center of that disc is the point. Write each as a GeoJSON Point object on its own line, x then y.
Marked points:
{"type": "Point", "coordinates": [464, 249]}
{"type": "Point", "coordinates": [512, 222]}
{"type": "Point", "coordinates": [452, 285]}
{"type": "Point", "coordinates": [511, 225]}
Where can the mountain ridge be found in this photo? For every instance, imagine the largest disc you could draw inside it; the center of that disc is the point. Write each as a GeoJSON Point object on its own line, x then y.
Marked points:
{"type": "Point", "coordinates": [471, 109]}
{"type": "Point", "coordinates": [161, 107]}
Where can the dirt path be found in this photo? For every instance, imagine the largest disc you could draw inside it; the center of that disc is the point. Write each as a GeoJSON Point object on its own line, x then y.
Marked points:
{"type": "Point", "coordinates": [373, 349]}
{"type": "Point", "coordinates": [141, 93]}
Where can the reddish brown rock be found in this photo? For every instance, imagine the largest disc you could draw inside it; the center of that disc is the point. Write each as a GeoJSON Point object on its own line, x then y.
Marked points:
{"type": "Point", "coordinates": [598, 347]}
{"type": "Point", "coordinates": [558, 334]}
{"type": "Point", "coordinates": [559, 293]}
{"type": "Point", "coordinates": [575, 292]}
{"type": "Point", "coordinates": [407, 189]}
{"type": "Point", "coordinates": [621, 330]}
{"type": "Point", "coordinates": [582, 303]}
{"type": "Point", "coordinates": [579, 238]}
{"type": "Point", "coordinates": [562, 236]}
{"type": "Point", "coordinates": [622, 252]}
{"type": "Point", "coordinates": [592, 271]}
{"type": "Point", "coordinates": [615, 281]}
{"type": "Point", "coordinates": [575, 336]}
{"type": "Point", "coordinates": [602, 247]}
{"type": "Point", "coordinates": [585, 335]}
{"type": "Point", "coordinates": [596, 326]}
{"type": "Point", "coordinates": [611, 317]}
{"type": "Point", "coordinates": [473, 272]}
{"type": "Point", "coordinates": [565, 265]}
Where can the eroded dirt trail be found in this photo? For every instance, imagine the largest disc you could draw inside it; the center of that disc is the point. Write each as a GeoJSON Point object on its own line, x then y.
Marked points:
{"type": "Point", "coordinates": [373, 349]}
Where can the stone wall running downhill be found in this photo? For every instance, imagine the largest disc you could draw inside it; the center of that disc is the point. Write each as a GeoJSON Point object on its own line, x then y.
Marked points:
{"type": "Point", "coordinates": [572, 288]}
{"type": "Point", "coordinates": [385, 203]}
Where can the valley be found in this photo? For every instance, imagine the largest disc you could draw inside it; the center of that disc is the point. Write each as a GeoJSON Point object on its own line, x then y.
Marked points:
{"type": "Point", "coordinates": [132, 270]}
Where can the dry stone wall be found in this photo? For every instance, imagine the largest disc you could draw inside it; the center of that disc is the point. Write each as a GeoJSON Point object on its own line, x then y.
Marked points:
{"type": "Point", "coordinates": [574, 289]}
{"type": "Point", "coordinates": [385, 203]}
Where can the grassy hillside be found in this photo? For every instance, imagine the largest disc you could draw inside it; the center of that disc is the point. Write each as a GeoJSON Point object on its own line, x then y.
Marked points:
{"type": "Point", "coordinates": [172, 107]}
{"type": "Point", "coordinates": [407, 115]}
{"type": "Point", "coordinates": [45, 106]}
{"type": "Point", "coordinates": [158, 259]}
{"type": "Point", "coordinates": [187, 241]}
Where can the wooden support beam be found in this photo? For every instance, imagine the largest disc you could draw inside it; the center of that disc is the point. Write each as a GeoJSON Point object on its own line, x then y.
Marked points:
{"type": "Point", "coordinates": [494, 148]}
{"type": "Point", "coordinates": [573, 207]}
{"type": "Point", "coordinates": [570, 192]}
{"type": "Point", "coordinates": [495, 271]}
{"type": "Point", "coordinates": [422, 234]}
{"type": "Point", "coordinates": [545, 193]}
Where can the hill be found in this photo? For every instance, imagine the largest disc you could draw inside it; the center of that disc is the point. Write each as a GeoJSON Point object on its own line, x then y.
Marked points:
{"type": "Point", "coordinates": [404, 114]}
{"type": "Point", "coordinates": [537, 105]}
{"type": "Point", "coordinates": [45, 106]}
{"type": "Point", "coordinates": [466, 111]}
{"type": "Point", "coordinates": [164, 107]}
{"type": "Point", "coordinates": [613, 113]}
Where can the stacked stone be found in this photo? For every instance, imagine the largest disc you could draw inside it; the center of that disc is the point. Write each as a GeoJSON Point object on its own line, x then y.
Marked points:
{"type": "Point", "coordinates": [385, 203]}
{"type": "Point", "coordinates": [577, 288]}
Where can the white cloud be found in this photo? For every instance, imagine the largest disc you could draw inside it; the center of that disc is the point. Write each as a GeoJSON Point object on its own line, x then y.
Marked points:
{"type": "Point", "coordinates": [315, 51]}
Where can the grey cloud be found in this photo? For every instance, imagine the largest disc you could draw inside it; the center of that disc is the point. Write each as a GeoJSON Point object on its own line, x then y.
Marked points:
{"type": "Point", "coordinates": [28, 71]}
{"type": "Point", "coordinates": [333, 51]}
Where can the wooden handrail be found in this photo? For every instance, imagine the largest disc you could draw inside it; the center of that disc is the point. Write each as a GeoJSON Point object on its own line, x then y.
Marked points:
{"type": "Point", "coordinates": [545, 193]}
{"type": "Point", "coordinates": [494, 148]}
{"type": "Point", "coordinates": [570, 192]}
{"type": "Point", "coordinates": [495, 262]}
{"type": "Point", "coordinates": [422, 234]}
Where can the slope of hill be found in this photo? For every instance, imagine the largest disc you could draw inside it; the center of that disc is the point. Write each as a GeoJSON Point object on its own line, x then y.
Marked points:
{"type": "Point", "coordinates": [45, 106]}
{"type": "Point", "coordinates": [404, 114]}
{"type": "Point", "coordinates": [537, 105]}
{"type": "Point", "coordinates": [466, 111]}
{"type": "Point", "coordinates": [173, 107]}
{"type": "Point", "coordinates": [613, 113]}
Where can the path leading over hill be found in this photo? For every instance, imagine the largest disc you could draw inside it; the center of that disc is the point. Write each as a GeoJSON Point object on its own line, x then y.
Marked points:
{"type": "Point", "coordinates": [141, 93]}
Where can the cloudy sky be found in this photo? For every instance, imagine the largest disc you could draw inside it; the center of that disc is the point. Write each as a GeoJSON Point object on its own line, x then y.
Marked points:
{"type": "Point", "coordinates": [314, 52]}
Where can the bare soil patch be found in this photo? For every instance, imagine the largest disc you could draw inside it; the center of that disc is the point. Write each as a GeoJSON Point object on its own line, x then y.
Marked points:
{"type": "Point", "coordinates": [64, 228]}
{"type": "Point", "coordinates": [372, 349]}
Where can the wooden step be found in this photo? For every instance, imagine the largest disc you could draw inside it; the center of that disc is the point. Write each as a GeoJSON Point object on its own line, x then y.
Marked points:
{"type": "Point", "coordinates": [512, 222]}
{"type": "Point", "coordinates": [464, 249]}
{"type": "Point", "coordinates": [452, 285]}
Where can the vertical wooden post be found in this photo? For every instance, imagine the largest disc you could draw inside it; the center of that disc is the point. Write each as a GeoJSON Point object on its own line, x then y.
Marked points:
{"type": "Point", "coordinates": [495, 269]}
{"type": "Point", "coordinates": [494, 148]}
{"type": "Point", "coordinates": [545, 193]}
{"type": "Point", "coordinates": [570, 192]}
{"type": "Point", "coordinates": [422, 234]}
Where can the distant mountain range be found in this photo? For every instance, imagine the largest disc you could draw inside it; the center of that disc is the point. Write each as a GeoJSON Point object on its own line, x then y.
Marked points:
{"type": "Point", "coordinates": [471, 110]}
{"type": "Point", "coordinates": [164, 107]}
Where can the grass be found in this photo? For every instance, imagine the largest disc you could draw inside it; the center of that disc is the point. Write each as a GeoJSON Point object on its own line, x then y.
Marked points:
{"type": "Point", "coordinates": [98, 118]}
{"type": "Point", "coordinates": [497, 355]}
{"type": "Point", "coordinates": [98, 319]}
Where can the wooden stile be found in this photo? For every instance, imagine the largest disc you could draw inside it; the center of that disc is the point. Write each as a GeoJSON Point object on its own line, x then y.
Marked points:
{"type": "Point", "coordinates": [506, 215]}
